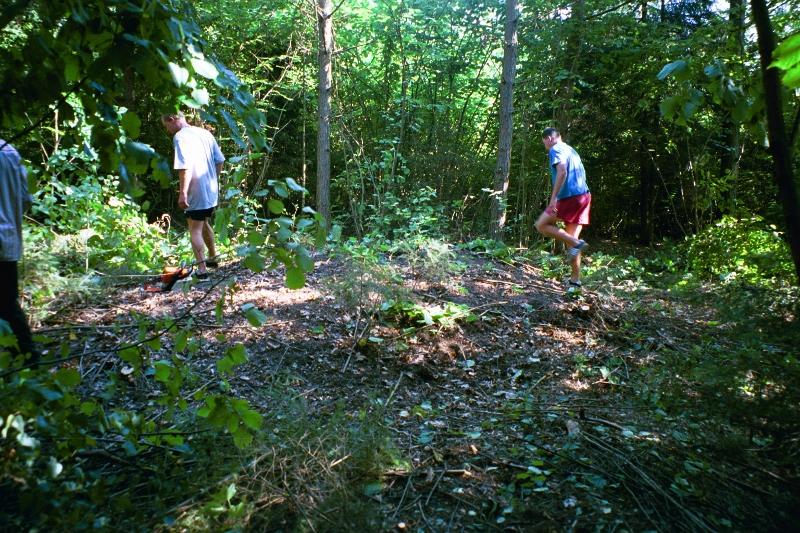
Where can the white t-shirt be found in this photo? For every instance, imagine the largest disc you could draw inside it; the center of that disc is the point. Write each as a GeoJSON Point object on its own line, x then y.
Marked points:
{"type": "Point", "coordinates": [197, 152]}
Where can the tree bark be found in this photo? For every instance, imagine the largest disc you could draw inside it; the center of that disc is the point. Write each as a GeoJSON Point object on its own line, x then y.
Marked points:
{"type": "Point", "coordinates": [572, 56]}
{"type": "Point", "coordinates": [325, 31]}
{"type": "Point", "coordinates": [502, 170]}
{"type": "Point", "coordinates": [776, 131]}
{"type": "Point", "coordinates": [729, 162]}
{"type": "Point", "coordinates": [649, 123]}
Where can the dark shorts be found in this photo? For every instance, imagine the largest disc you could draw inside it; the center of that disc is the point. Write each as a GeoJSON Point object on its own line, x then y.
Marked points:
{"type": "Point", "coordinates": [575, 209]}
{"type": "Point", "coordinates": [200, 214]}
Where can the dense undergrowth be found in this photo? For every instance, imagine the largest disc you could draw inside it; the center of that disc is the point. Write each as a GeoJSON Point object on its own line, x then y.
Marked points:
{"type": "Point", "coordinates": [76, 457]}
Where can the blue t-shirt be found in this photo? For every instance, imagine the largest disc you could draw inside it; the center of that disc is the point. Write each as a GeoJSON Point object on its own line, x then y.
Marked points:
{"type": "Point", "coordinates": [197, 152]}
{"type": "Point", "coordinates": [575, 181]}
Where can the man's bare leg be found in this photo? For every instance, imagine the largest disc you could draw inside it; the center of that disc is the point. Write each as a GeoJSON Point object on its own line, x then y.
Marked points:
{"type": "Point", "coordinates": [198, 244]}
{"type": "Point", "coordinates": [574, 230]}
{"type": "Point", "coordinates": [546, 225]}
{"type": "Point", "coordinates": [208, 239]}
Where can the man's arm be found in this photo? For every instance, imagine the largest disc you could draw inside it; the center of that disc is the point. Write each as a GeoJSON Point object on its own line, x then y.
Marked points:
{"type": "Point", "coordinates": [219, 169]}
{"type": "Point", "coordinates": [183, 190]}
{"type": "Point", "coordinates": [561, 175]}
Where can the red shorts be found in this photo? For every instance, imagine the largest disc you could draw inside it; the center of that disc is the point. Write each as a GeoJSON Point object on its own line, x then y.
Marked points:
{"type": "Point", "coordinates": [575, 209]}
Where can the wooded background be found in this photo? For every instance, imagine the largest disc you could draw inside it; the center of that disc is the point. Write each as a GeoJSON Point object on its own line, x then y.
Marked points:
{"type": "Point", "coordinates": [664, 102]}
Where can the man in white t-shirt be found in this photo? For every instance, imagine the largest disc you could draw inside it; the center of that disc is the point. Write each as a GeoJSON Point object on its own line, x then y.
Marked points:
{"type": "Point", "coordinates": [198, 161]}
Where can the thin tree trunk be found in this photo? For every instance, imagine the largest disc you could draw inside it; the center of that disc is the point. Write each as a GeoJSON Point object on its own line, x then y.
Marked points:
{"type": "Point", "coordinates": [729, 163]}
{"type": "Point", "coordinates": [502, 170]}
{"type": "Point", "coordinates": [325, 29]}
{"type": "Point", "coordinates": [572, 55]}
{"type": "Point", "coordinates": [646, 171]}
{"type": "Point", "coordinates": [776, 131]}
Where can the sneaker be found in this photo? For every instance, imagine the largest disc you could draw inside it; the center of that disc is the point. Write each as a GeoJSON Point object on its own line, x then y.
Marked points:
{"type": "Point", "coordinates": [575, 250]}
{"type": "Point", "coordinates": [200, 276]}
{"type": "Point", "coordinates": [210, 263]}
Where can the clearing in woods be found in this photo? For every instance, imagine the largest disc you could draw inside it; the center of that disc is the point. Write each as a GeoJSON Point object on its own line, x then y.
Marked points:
{"type": "Point", "coordinates": [489, 400]}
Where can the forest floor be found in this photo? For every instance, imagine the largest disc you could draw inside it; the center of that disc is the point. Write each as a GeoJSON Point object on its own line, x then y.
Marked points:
{"type": "Point", "coordinates": [537, 410]}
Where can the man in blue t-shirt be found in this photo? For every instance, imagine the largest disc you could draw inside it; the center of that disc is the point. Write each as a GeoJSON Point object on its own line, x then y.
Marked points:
{"type": "Point", "coordinates": [198, 161]}
{"type": "Point", "coordinates": [570, 200]}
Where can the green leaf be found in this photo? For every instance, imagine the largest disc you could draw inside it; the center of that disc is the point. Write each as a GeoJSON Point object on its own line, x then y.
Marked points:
{"type": "Point", "coordinates": [225, 365]}
{"type": "Point", "coordinates": [163, 371]}
{"type": "Point", "coordinates": [68, 377]}
{"type": "Point", "coordinates": [304, 260]}
{"type": "Point", "coordinates": [204, 68]}
{"type": "Point", "coordinates": [71, 68]}
{"type": "Point", "coordinates": [693, 104]}
{"type": "Point", "coordinates": [131, 124]}
{"type": "Point", "coordinates": [54, 467]}
{"type": "Point", "coordinates": [200, 96]}
{"type": "Point", "coordinates": [237, 353]}
{"type": "Point", "coordinates": [275, 206]}
{"type": "Point", "coordinates": [787, 54]}
{"type": "Point", "coordinates": [138, 156]}
{"type": "Point", "coordinates": [181, 340]}
{"type": "Point", "coordinates": [242, 439]}
{"type": "Point", "coordinates": [280, 189]}
{"type": "Point", "coordinates": [792, 78]}
{"type": "Point", "coordinates": [254, 262]}
{"type": "Point", "coordinates": [293, 185]}
{"type": "Point", "coordinates": [254, 315]}
{"type": "Point", "coordinates": [669, 105]}
{"type": "Point", "coordinates": [373, 489]}
{"type": "Point", "coordinates": [676, 67]}
{"type": "Point", "coordinates": [295, 278]}
{"type": "Point", "coordinates": [251, 419]}
{"type": "Point", "coordinates": [179, 74]}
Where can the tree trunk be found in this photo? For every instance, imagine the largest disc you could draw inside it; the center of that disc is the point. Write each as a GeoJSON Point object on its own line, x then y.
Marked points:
{"type": "Point", "coordinates": [572, 55]}
{"type": "Point", "coordinates": [646, 171]}
{"type": "Point", "coordinates": [502, 170]}
{"type": "Point", "coordinates": [325, 28]}
{"type": "Point", "coordinates": [646, 192]}
{"type": "Point", "coordinates": [776, 131]}
{"type": "Point", "coordinates": [729, 162]}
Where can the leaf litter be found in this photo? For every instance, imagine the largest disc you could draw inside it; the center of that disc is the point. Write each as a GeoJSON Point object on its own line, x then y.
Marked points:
{"type": "Point", "coordinates": [527, 414]}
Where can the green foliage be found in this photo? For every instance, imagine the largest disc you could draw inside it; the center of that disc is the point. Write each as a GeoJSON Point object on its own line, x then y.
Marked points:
{"type": "Point", "coordinates": [746, 250]}
{"type": "Point", "coordinates": [84, 62]}
{"type": "Point", "coordinates": [368, 280]}
{"type": "Point", "coordinates": [321, 472]}
{"type": "Point", "coordinates": [431, 259]}
{"type": "Point", "coordinates": [104, 229]}
{"type": "Point", "coordinates": [445, 316]}
{"type": "Point", "coordinates": [50, 421]}
{"type": "Point", "coordinates": [398, 215]}
{"type": "Point", "coordinates": [787, 57]}
{"type": "Point", "coordinates": [492, 248]}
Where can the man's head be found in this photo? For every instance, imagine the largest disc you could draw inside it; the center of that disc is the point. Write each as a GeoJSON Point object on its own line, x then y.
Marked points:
{"type": "Point", "coordinates": [173, 122]}
{"type": "Point", "coordinates": [550, 137]}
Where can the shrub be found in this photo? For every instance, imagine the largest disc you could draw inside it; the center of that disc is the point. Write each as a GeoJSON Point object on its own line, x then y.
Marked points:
{"type": "Point", "coordinates": [745, 249]}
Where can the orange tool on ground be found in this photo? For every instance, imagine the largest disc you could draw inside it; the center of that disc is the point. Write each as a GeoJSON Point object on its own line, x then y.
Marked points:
{"type": "Point", "coordinates": [167, 279]}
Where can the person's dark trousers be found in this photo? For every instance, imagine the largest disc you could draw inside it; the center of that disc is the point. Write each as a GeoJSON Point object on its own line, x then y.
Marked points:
{"type": "Point", "coordinates": [10, 311]}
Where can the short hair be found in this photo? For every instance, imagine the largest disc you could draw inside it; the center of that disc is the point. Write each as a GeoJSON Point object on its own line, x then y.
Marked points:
{"type": "Point", "coordinates": [172, 116]}
{"type": "Point", "coordinates": [550, 132]}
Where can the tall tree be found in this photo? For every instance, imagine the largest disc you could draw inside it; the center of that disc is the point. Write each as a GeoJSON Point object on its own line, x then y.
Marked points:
{"type": "Point", "coordinates": [729, 164]}
{"type": "Point", "coordinates": [325, 31]}
{"type": "Point", "coordinates": [646, 170]}
{"type": "Point", "coordinates": [776, 130]}
{"type": "Point", "coordinates": [502, 170]}
{"type": "Point", "coordinates": [572, 55]}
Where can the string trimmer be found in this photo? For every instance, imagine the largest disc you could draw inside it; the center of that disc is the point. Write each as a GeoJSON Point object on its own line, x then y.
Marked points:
{"type": "Point", "coordinates": [168, 278]}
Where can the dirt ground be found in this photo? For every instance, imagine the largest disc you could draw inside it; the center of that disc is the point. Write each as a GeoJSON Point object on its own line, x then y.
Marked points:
{"type": "Point", "coordinates": [530, 415]}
